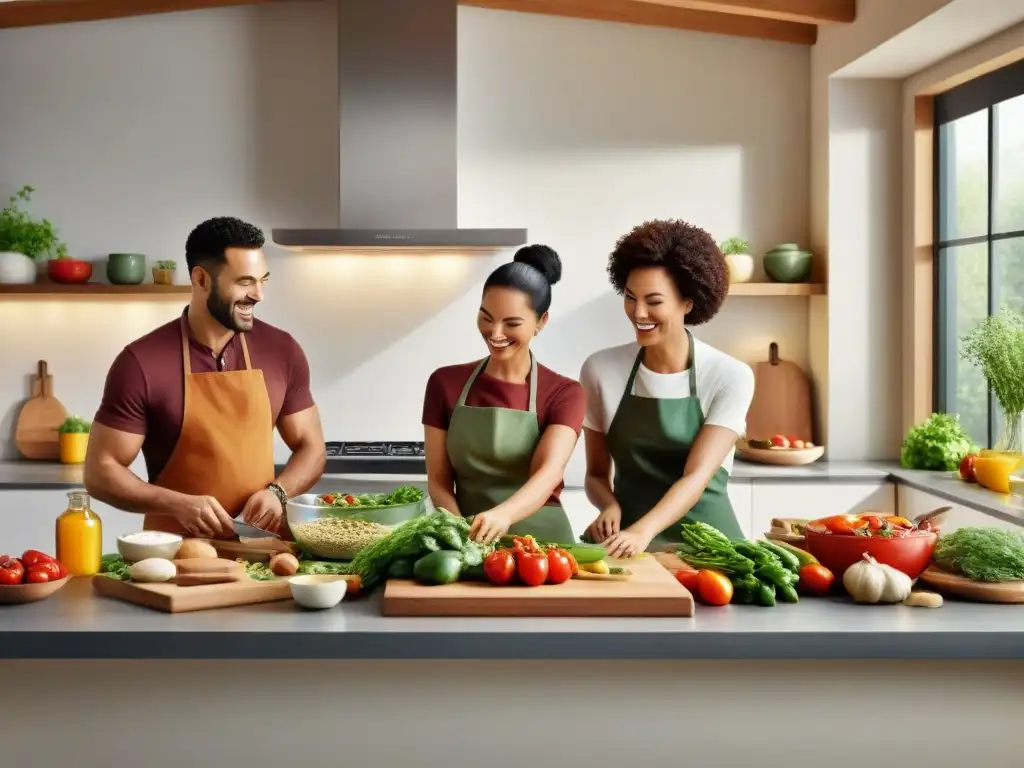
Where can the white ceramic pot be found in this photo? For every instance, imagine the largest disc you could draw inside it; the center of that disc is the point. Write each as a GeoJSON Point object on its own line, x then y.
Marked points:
{"type": "Point", "coordinates": [741, 267]}
{"type": "Point", "coordinates": [16, 269]}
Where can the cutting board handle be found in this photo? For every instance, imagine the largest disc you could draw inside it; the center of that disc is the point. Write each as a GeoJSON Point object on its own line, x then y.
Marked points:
{"type": "Point", "coordinates": [773, 353]}
{"type": "Point", "coordinates": [44, 379]}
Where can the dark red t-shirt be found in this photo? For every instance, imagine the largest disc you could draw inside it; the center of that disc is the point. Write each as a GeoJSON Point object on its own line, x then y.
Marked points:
{"type": "Point", "coordinates": [560, 400]}
{"type": "Point", "coordinates": [145, 389]}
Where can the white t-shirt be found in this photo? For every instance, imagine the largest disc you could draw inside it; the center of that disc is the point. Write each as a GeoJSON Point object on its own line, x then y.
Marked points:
{"type": "Point", "coordinates": [725, 387]}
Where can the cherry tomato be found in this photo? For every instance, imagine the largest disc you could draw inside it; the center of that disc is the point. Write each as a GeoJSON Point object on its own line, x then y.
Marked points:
{"type": "Point", "coordinates": [875, 522]}
{"type": "Point", "coordinates": [328, 498]}
{"type": "Point", "coordinates": [967, 468]}
{"type": "Point", "coordinates": [11, 571]}
{"type": "Point", "coordinates": [37, 575]}
{"type": "Point", "coordinates": [500, 567]}
{"type": "Point", "coordinates": [559, 566]}
{"type": "Point", "coordinates": [780, 441]}
{"type": "Point", "coordinates": [688, 578]}
{"type": "Point", "coordinates": [350, 499]}
{"type": "Point", "coordinates": [50, 566]}
{"type": "Point", "coordinates": [816, 579]}
{"type": "Point", "coordinates": [713, 587]}
{"type": "Point", "coordinates": [532, 568]}
{"type": "Point", "coordinates": [34, 556]}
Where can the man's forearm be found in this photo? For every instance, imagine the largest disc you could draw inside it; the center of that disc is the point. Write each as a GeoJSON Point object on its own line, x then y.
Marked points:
{"type": "Point", "coordinates": [599, 492]}
{"type": "Point", "coordinates": [122, 489]}
{"type": "Point", "coordinates": [304, 469]}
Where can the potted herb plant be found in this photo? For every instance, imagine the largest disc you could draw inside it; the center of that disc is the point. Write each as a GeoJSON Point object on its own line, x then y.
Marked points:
{"type": "Point", "coordinates": [74, 439]}
{"type": "Point", "coordinates": [738, 259]}
{"type": "Point", "coordinates": [996, 346]}
{"type": "Point", "coordinates": [23, 240]}
{"type": "Point", "coordinates": [163, 272]}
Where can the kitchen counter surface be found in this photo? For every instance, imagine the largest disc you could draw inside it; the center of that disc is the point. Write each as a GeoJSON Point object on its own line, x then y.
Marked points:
{"type": "Point", "coordinates": [75, 624]}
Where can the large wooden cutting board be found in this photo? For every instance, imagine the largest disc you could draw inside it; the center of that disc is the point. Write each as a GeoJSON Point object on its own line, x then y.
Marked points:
{"type": "Point", "coordinates": [782, 400]}
{"type": "Point", "coordinates": [652, 591]}
{"type": "Point", "coordinates": [171, 598]}
{"type": "Point", "coordinates": [36, 434]}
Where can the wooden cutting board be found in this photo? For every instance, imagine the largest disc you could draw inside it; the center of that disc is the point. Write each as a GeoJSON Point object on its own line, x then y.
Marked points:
{"type": "Point", "coordinates": [955, 585]}
{"type": "Point", "coordinates": [171, 598]}
{"type": "Point", "coordinates": [782, 400]}
{"type": "Point", "coordinates": [36, 432]}
{"type": "Point", "coordinates": [652, 591]}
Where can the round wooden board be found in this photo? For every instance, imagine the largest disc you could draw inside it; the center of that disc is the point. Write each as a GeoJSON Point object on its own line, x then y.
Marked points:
{"type": "Point", "coordinates": [978, 591]}
{"type": "Point", "coordinates": [780, 457]}
{"type": "Point", "coordinates": [790, 538]}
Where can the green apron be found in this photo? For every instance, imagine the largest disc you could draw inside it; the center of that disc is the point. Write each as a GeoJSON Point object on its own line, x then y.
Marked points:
{"type": "Point", "coordinates": [491, 450]}
{"type": "Point", "coordinates": [649, 441]}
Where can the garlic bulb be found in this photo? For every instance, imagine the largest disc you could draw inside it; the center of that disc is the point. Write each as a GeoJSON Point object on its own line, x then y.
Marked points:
{"type": "Point", "coordinates": [870, 581]}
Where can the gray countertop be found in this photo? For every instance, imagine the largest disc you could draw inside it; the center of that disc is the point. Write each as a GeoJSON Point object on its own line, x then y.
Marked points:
{"type": "Point", "coordinates": [75, 624]}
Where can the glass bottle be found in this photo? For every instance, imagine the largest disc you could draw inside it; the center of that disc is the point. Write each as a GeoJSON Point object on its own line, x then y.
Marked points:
{"type": "Point", "coordinates": [79, 536]}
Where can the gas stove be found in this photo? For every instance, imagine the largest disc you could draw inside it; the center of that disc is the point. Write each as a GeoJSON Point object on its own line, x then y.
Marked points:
{"type": "Point", "coordinates": [373, 450]}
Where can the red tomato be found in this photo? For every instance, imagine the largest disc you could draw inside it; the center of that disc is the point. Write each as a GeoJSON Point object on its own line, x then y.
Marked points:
{"type": "Point", "coordinates": [967, 468]}
{"type": "Point", "coordinates": [500, 567]}
{"type": "Point", "coordinates": [816, 579]}
{"type": "Point", "coordinates": [350, 499]}
{"type": "Point", "coordinates": [50, 566]}
{"type": "Point", "coordinates": [780, 441]}
{"type": "Point", "coordinates": [532, 568]}
{"type": "Point", "coordinates": [874, 522]}
{"type": "Point", "coordinates": [713, 587]}
{"type": "Point", "coordinates": [11, 571]}
{"type": "Point", "coordinates": [33, 556]}
{"type": "Point", "coordinates": [328, 498]}
{"type": "Point", "coordinates": [559, 566]}
{"type": "Point", "coordinates": [37, 575]}
{"type": "Point", "coordinates": [845, 523]}
{"type": "Point", "coordinates": [688, 579]}
{"type": "Point", "coordinates": [63, 570]}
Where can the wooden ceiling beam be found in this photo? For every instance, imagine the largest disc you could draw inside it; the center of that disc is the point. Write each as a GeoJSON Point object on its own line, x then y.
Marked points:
{"type": "Point", "coordinates": [800, 11]}
{"type": "Point", "coordinates": [35, 13]}
{"type": "Point", "coordinates": [659, 15]}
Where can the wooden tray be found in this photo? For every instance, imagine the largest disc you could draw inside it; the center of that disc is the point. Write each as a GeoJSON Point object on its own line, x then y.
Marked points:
{"type": "Point", "coordinates": [171, 598]}
{"type": "Point", "coordinates": [651, 591]}
{"type": "Point", "coordinates": [30, 593]}
{"type": "Point", "coordinates": [955, 585]}
{"type": "Point", "coordinates": [780, 457]}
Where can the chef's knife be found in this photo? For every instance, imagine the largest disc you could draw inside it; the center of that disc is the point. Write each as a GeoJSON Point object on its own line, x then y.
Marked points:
{"type": "Point", "coordinates": [252, 532]}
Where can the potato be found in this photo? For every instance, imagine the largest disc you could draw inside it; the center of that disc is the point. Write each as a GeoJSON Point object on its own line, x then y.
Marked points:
{"type": "Point", "coordinates": [193, 548]}
{"type": "Point", "coordinates": [152, 569]}
{"type": "Point", "coordinates": [284, 564]}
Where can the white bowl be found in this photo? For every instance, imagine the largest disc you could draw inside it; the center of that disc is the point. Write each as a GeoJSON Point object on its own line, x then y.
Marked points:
{"type": "Point", "coordinates": [318, 591]}
{"type": "Point", "coordinates": [142, 545]}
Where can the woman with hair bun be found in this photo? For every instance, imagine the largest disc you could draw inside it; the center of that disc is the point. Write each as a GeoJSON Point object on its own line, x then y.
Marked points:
{"type": "Point", "coordinates": [666, 410]}
{"type": "Point", "coordinates": [500, 431]}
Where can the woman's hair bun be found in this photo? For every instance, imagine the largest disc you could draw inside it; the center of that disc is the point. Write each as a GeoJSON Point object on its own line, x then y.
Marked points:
{"type": "Point", "coordinates": [542, 258]}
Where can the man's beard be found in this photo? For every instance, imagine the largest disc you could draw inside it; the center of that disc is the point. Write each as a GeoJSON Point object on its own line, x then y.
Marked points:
{"type": "Point", "coordinates": [221, 310]}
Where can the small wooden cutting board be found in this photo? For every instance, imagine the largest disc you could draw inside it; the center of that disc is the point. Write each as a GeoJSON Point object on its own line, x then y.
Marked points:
{"type": "Point", "coordinates": [955, 585]}
{"type": "Point", "coordinates": [170, 598]}
{"type": "Point", "coordinates": [36, 432]}
{"type": "Point", "coordinates": [782, 400]}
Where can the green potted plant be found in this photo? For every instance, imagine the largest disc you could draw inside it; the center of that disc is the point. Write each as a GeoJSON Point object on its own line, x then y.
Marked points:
{"type": "Point", "coordinates": [23, 240]}
{"type": "Point", "coordinates": [74, 439]}
{"type": "Point", "coordinates": [163, 272]}
{"type": "Point", "coordinates": [738, 259]}
{"type": "Point", "coordinates": [996, 347]}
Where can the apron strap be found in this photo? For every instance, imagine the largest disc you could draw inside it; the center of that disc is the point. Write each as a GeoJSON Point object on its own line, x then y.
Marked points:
{"type": "Point", "coordinates": [185, 356]}
{"type": "Point", "coordinates": [476, 372]}
{"type": "Point", "coordinates": [690, 363]}
{"type": "Point", "coordinates": [245, 353]}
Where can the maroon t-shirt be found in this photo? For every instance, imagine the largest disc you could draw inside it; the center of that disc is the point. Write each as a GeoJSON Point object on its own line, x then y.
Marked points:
{"type": "Point", "coordinates": [560, 400]}
{"type": "Point", "coordinates": [145, 388]}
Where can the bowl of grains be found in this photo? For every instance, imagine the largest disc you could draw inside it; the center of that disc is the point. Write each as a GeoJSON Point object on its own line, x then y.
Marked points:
{"type": "Point", "coordinates": [336, 526]}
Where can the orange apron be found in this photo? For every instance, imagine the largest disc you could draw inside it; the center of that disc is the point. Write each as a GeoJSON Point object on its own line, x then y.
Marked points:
{"type": "Point", "coordinates": [226, 446]}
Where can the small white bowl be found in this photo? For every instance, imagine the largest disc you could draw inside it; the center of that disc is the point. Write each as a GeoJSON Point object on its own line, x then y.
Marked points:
{"type": "Point", "coordinates": [142, 545]}
{"type": "Point", "coordinates": [318, 591]}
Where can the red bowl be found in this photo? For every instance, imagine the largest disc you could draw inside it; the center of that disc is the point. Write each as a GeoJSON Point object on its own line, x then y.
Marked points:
{"type": "Point", "coordinates": [69, 271]}
{"type": "Point", "coordinates": [837, 552]}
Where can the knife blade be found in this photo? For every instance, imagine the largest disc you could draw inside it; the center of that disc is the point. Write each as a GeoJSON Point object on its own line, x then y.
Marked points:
{"type": "Point", "coordinates": [252, 532]}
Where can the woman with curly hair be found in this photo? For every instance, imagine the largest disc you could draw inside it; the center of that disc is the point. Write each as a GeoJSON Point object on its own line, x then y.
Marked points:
{"type": "Point", "coordinates": [665, 411]}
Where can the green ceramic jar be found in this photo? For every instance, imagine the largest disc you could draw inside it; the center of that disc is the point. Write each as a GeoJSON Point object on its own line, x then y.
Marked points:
{"type": "Point", "coordinates": [126, 268]}
{"type": "Point", "coordinates": [787, 263]}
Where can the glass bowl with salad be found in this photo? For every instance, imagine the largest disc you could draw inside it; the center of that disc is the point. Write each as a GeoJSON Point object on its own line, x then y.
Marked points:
{"type": "Point", "coordinates": [337, 525]}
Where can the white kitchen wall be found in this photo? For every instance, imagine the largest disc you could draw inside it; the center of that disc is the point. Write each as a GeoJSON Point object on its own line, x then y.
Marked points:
{"type": "Point", "coordinates": [133, 131]}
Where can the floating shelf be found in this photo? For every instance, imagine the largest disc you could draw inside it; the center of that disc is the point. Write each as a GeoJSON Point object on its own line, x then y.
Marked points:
{"type": "Point", "coordinates": [777, 289]}
{"type": "Point", "coordinates": [58, 290]}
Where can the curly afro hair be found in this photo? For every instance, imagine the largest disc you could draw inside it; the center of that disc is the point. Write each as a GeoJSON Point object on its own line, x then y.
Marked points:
{"type": "Point", "coordinates": [207, 243]}
{"type": "Point", "coordinates": [688, 253]}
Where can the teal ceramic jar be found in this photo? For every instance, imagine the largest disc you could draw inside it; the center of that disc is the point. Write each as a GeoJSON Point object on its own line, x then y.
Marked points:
{"type": "Point", "coordinates": [126, 268]}
{"type": "Point", "coordinates": [787, 263]}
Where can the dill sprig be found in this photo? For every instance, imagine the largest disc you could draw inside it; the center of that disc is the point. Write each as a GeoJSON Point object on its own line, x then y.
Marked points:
{"type": "Point", "coordinates": [996, 346]}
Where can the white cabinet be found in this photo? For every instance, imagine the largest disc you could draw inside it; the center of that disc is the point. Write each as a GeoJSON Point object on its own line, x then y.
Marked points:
{"type": "Point", "coordinates": [913, 502]}
{"type": "Point", "coordinates": [811, 500]}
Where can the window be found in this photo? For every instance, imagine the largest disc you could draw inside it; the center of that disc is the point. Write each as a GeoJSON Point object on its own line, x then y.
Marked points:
{"type": "Point", "coordinates": [979, 221]}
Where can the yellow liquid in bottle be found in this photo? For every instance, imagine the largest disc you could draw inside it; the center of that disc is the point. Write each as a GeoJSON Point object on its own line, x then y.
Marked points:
{"type": "Point", "coordinates": [79, 537]}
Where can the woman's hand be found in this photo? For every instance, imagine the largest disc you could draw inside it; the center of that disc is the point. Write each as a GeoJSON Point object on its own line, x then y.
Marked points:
{"type": "Point", "coordinates": [489, 526]}
{"type": "Point", "coordinates": [605, 524]}
{"type": "Point", "coordinates": [627, 543]}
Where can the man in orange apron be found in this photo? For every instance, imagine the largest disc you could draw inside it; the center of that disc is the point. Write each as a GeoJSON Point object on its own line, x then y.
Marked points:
{"type": "Point", "coordinates": [200, 397]}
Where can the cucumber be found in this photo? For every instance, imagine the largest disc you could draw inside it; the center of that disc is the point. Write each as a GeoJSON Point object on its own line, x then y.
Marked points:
{"type": "Point", "coordinates": [788, 558]}
{"type": "Point", "coordinates": [585, 553]}
{"type": "Point", "coordinates": [805, 557]}
{"type": "Point", "coordinates": [439, 567]}
{"type": "Point", "coordinates": [766, 595]}
{"type": "Point", "coordinates": [787, 594]}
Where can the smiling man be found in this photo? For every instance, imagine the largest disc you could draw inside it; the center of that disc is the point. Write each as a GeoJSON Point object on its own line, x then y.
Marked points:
{"type": "Point", "coordinates": [201, 396]}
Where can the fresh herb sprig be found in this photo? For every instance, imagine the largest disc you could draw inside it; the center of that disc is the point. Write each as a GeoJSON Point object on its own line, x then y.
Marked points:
{"type": "Point", "coordinates": [996, 346]}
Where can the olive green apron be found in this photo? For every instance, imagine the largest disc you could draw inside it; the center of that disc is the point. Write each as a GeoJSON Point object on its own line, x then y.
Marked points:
{"type": "Point", "coordinates": [491, 450]}
{"type": "Point", "coordinates": [649, 441]}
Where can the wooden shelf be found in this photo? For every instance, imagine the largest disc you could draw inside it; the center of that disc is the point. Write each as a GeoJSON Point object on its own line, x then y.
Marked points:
{"type": "Point", "coordinates": [777, 289]}
{"type": "Point", "coordinates": [58, 290]}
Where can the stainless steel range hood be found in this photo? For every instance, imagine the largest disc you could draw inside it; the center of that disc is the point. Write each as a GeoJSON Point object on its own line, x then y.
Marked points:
{"type": "Point", "coordinates": [397, 63]}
